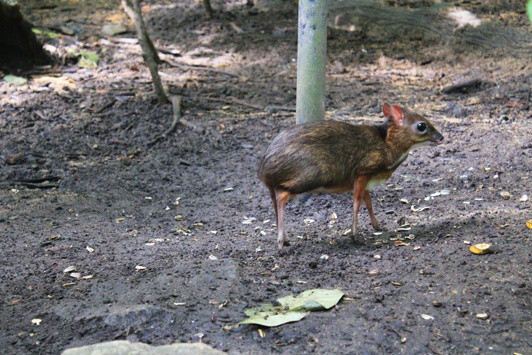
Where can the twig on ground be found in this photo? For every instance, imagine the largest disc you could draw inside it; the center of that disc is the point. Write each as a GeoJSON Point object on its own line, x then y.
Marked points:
{"type": "Point", "coordinates": [106, 106]}
{"type": "Point", "coordinates": [39, 183]}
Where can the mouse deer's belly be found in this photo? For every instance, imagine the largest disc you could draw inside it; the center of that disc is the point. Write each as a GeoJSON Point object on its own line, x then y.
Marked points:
{"type": "Point", "coordinates": [379, 179]}
{"type": "Point", "coordinates": [332, 190]}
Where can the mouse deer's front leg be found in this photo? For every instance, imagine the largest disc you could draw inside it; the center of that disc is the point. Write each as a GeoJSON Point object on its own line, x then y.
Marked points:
{"type": "Point", "coordinates": [358, 195]}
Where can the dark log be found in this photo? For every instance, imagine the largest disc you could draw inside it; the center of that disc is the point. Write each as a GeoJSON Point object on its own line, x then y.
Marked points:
{"type": "Point", "coordinates": [20, 49]}
{"type": "Point", "coordinates": [462, 87]}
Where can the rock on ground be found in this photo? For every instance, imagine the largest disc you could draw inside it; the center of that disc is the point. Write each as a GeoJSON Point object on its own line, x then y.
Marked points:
{"type": "Point", "coordinates": [118, 347]}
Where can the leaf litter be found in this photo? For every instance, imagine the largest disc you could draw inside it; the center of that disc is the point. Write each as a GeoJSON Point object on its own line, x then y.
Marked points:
{"type": "Point", "coordinates": [292, 309]}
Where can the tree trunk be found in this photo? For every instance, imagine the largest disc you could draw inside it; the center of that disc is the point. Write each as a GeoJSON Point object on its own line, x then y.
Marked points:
{"type": "Point", "coordinates": [208, 8]}
{"type": "Point", "coordinates": [311, 58]}
{"type": "Point", "coordinates": [133, 10]}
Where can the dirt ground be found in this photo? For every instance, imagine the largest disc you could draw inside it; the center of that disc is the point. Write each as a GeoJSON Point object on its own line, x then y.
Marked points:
{"type": "Point", "coordinates": [172, 239]}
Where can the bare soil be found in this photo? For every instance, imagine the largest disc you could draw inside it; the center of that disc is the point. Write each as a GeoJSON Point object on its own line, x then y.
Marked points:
{"type": "Point", "coordinates": [81, 185]}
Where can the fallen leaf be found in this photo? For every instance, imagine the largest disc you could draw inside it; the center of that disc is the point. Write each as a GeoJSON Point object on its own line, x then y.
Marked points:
{"type": "Point", "coordinates": [87, 60]}
{"type": "Point", "coordinates": [69, 269]}
{"type": "Point", "coordinates": [262, 333]}
{"type": "Point", "coordinates": [271, 319]}
{"type": "Point", "coordinates": [505, 194]}
{"type": "Point", "coordinates": [312, 300]}
{"type": "Point", "coordinates": [67, 31]}
{"type": "Point", "coordinates": [212, 257]}
{"type": "Point", "coordinates": [15, 80]}
{"type": "Point", "coordinates": [413, 208]}
{"type": "Point", "coordinates": [482, 315]}
{"type": "Point", "coordinates": [59, 84]}
{"type": "Point", "coordinates": [404, 229]}
{"type": "Point", "coordinates": [112, 29]}
{"type": "Point", "coordinates": [529, 224]}
{"type": "Point", "coordinates": [292, 308]}
{"type": "Point", "coordinates": [480, 249]}
{"type": "Point", "coordinates": [249, 220]}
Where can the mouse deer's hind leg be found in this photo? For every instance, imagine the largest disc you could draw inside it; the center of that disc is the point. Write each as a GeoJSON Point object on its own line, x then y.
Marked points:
{"type": "Point", "coordinates": [280, 202]}
{"type": "Point", "coordinates": [274, 200]}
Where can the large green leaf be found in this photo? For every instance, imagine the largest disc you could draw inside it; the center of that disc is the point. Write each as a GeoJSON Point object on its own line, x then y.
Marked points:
{"type": "Point", "coordinates": [267, 307]}
{"type": "Point", "coordinates": [15, 80]}
{"type": "Point", "coordinates": [292, 308]}
{"type": "Point", "coordinates": [312, 300]}
{"type": "Point", "coordinates": [273, 318]}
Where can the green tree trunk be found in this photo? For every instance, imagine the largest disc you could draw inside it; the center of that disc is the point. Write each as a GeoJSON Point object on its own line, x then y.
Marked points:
{"type": "Point", "coordinates": [311, 58]}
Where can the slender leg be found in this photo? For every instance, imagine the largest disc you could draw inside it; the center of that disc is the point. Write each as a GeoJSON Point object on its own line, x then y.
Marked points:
{"type": "Point", "coordinates": [281, 197]}
{"type": "Point", "coordinates": [274, 200]}
{"type": "Point", "coordinates": [358, 196]}
{"type": "Point", "coordinates": [369, 206]}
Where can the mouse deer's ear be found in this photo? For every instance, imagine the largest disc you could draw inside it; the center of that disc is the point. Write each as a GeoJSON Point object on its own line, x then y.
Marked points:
{"type": "Point", "coordinates": [395, 112]}
{"type": "Point", "coordinates": [387, 110]}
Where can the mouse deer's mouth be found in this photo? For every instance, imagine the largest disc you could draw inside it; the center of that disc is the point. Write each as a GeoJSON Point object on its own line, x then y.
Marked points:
{"type": "Point", "coordinates": [437, 139]}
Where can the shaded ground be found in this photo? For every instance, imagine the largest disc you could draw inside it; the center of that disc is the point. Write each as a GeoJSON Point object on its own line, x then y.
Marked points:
{"type": "Point", "coordinates": [169, 207]}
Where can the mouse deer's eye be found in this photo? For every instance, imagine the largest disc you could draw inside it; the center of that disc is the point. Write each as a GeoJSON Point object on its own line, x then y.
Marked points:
{"type": "Point", "coordinates": [422, 127]}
